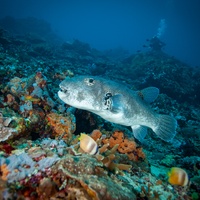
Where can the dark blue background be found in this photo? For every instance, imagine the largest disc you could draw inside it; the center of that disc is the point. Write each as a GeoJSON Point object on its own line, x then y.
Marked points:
{"type": "Point", "coordinates": [106, 24]}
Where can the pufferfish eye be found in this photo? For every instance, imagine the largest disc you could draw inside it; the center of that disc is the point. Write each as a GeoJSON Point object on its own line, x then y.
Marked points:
{"type": "Point", "coordinates": [89, 81]}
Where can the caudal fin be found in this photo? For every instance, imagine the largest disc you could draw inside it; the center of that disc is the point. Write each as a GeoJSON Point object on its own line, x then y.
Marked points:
{"type": "Point", "coordinates": [166, 129]}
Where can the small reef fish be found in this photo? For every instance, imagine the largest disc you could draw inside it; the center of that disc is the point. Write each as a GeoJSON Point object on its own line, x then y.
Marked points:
{"type": "Point", "coordinates": [87, 144]}
{"type": "Point", "coordinates": [118, 104]}
{"type": "Point", "coordinates": [31, 98]}
{"type": "Point", "coordinates": [178, 176]}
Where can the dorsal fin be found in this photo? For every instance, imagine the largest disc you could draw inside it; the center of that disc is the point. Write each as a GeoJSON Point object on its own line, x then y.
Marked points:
{"type": "Point", "coordinates": [148, 94]}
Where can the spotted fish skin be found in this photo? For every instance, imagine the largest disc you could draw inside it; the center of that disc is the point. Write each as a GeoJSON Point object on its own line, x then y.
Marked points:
{"type": "Point", "coordinates": [117, 103]}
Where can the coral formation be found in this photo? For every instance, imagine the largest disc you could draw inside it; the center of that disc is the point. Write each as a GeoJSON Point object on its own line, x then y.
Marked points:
{"type": "Point", "coordinates": [92, 183]}
{"type": "Point", "coordinates": [5, 131]}
{"type": "Point", "coordinates": [25, 162]}
{"type": "Point", "coordinates": [40, 155]}
{"type": "Point", "coordinates": [104, 154]}
{"type": "Point", "coordinates": [126, 146]}
{"type": "Point", "coordinates": [63, 126]}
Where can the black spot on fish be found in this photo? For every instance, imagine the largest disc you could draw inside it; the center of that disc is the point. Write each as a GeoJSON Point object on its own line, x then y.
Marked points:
{"type": "Point", "coordinates": [91, 80]}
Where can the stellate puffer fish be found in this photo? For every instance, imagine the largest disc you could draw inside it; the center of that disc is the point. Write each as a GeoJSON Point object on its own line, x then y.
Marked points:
{"type": "Point", "coordinates": [87, 144]}
{"type": "Point", "coordinates": [117, 103]}
{"type": "Point", "coordinates": [178, 176]}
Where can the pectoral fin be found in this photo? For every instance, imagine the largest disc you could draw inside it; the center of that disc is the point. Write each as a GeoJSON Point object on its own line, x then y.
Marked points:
{"type": "Point", "coordinates": [139, 132]}
{"type": "Point", "coordinates": [116, 103]}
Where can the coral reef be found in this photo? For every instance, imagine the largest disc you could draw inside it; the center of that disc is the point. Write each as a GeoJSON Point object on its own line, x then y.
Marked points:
{"type": "Point", "coordinates": [170, 75]}
{"type": "Point", "coordinates": [105, 154]}
{"type": "Point", "coordinates": [5, 131]}
{"type": "Point", "coordinates": [40, 155]}
{"type": "Point", "coordinates": [92, 183]}
{"type": "Point", "coordinates": [63, 127]}
{"type": "Point", "coordinates": [22, 164]}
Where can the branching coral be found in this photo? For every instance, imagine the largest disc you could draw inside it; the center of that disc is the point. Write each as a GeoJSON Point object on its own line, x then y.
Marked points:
{"type": "Point", "coordinates": [122, 144]}
{"type": "Point", "coordinates": [149, 193]}
{"type": "Point", "coordinates": [126, 146]}
{"type": "Point", "coordinates": [105, 154]}
{"type": "Point", "coordinates": [107, 158]}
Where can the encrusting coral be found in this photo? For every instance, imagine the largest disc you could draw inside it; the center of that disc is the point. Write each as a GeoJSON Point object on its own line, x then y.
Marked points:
{"type": "Point", "coordinates": [85, 178]}
{"type": "Point", "coordinates": [39, 172]}
{"type": "Point", "coordinates": [13, 125]}
{"type": "Point", "coordinates": [32, 112]}
{"type": "Point", "coordinates": [63, 126]}
{"type": "Point", "coordinates": [29, 91]}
